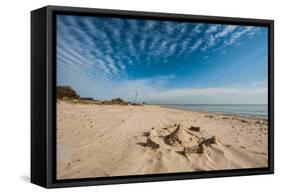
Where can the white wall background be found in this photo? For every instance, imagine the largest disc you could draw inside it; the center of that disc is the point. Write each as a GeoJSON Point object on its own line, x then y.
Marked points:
{"type": "Point", "coordinates": [15, 94]}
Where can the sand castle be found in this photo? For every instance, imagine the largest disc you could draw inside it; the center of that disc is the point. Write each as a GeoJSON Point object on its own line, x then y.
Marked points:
{"type": "Point", "coordinates": [151, 139]}
{"type": "Point", "coordinates": [190, 140]}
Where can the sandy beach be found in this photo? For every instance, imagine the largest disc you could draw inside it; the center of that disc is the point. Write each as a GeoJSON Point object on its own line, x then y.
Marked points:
{"type": "Point", "coordinates": [115, 140]}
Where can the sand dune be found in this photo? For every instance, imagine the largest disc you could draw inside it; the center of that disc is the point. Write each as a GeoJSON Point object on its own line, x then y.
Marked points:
{"type": "Point", "coordinates": [114, 140]}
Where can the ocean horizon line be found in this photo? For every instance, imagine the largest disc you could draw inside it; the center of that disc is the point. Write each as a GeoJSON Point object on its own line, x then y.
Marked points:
{"type": "Point", "coordinates": [248, 110]}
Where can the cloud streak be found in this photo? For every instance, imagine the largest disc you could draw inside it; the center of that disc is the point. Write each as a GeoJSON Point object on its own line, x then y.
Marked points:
{"type": "Point", "coordinates": [151, 91]}
{"type": "Point", "coordinates": [98, 53]}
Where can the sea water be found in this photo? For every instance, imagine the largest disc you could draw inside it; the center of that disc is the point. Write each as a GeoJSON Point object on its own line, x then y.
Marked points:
{"type": "Point", "coordinates": [250, 110]}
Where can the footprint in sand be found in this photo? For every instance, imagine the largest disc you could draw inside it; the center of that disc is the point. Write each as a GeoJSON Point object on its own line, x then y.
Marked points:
{"type": "Point", "coordinates": [73, 162]}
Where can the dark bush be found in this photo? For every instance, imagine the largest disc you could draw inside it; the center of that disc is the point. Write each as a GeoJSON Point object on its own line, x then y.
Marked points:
{"type": "Point", "coordinates": [66, 91]}
{"type": "Point", "coordinates": [120, 100]}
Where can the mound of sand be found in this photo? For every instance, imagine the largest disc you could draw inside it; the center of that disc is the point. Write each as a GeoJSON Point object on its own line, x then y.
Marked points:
{"type": "Point", "coordinates": [201, 150]}
{"type": "Point", "coordinates": [149, 140]}
{"type": "Point", "coordinates": [190, 140]}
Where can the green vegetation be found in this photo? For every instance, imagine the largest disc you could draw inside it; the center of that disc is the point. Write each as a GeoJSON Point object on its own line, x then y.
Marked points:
{"type": "Point", "coordinates": [68, 94]}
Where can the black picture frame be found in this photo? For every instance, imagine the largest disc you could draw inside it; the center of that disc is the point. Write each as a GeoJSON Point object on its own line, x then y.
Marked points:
{"type": "Point", "coordinates": [43, 97]}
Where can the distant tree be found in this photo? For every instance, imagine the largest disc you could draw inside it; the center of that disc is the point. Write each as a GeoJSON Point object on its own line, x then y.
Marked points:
{"type": "Point", "coordinates": [117, 100]}
{"type": "Point", "coordinates": [66, 91]}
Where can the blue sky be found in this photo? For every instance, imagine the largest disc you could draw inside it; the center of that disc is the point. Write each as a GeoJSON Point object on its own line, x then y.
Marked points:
{"type": "Point", "coordinates": [164, 62]}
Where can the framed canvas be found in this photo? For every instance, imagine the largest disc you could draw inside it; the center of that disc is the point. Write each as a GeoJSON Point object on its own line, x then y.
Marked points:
{"type": "Point", "coordinates": [125, 96]}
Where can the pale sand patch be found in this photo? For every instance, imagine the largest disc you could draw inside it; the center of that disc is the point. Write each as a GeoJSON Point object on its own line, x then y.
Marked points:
{"type": "Point", "coordinates": [111, 140]}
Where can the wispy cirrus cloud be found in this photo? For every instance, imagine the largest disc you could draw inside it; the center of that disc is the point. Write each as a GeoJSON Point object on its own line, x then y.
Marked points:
{"type": "Point", "coordinates": [250, 31]}
{"type": "Point", "coordinates": [196, 45]}
{"type": "Point", "coordinates": [151, 90]}
{"type": "Point", "coordinates": [97, 52]}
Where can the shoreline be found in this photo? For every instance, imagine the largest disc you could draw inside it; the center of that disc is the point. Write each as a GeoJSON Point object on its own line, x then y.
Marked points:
{"type": "Point", "coordinates": [117, 140]}
{"type": "Point", "coordinates": [214, 112]}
